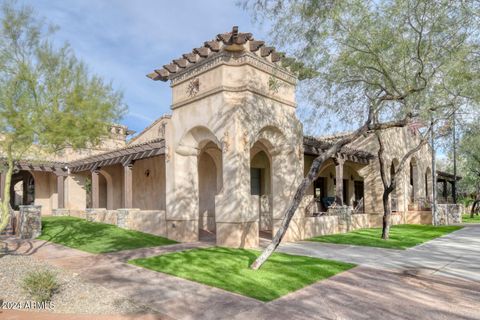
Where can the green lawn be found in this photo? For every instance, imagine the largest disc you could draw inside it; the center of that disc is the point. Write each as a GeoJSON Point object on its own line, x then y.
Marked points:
{"type": "Point", "coordinates": [401, 236]}
{"type": "Point", "coordinates": [95, 237]}
{"type": "Point", "coordinates": [228, 269]}
{"type": "Point", "coordinates": [466, 218]}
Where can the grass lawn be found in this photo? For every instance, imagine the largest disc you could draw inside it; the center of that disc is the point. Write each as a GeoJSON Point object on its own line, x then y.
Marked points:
{"type": "Point", "coordinates": [228, 269]}
{"type": "Point", "coordinates": [95, 237]}
{"type": "Point", "coordinates": [401, 236]}
{"type": "Point", "coordinates": [466, 218]}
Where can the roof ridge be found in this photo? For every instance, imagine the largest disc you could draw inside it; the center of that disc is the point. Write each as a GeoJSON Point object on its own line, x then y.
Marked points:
{"type": "Point", "coordinates": [233, 41]}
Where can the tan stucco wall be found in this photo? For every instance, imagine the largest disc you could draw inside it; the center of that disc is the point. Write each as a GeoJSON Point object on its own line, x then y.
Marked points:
{"type": "Point", "coordinates": [398, 141]}
{"type": "Point", "coordinates": [45, 191]}
{"type": "Point", "coordinates": [233, 109]}
{"type": "Point", "coordinates": [149, 221]}
{"type": "Point", "coordinates": [113, 177]}
{"type": "Point", "coordinates": [154, 131]}
{"type": "Point", "coordinates": [75, 193]}
{"type": "Point", "coordinates": [148, 177]}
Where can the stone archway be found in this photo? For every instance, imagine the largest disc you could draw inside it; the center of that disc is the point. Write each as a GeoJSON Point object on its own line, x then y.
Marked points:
{"type": "Point", "coordinates": [198, 180]}
{"type": "Point", "coordinates": [105, 185]}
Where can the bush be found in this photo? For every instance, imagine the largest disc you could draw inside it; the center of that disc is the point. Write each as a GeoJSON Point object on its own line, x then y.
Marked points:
{"type": "Point", "coordinates": [40, 285]}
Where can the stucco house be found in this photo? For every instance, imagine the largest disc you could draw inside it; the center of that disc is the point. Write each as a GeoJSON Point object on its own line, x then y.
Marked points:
{"type": "Point", "coordinates": [226, 161]}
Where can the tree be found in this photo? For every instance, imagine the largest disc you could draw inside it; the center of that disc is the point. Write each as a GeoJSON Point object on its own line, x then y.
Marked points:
{"type": "Point", "coordinates": [390, 183]}
{"type": "Point", "coordinates": [48, 99]}
{"type": "Point", "coordinates": [470, 154]}
{"type": "Point", "coordinates": [378, 64]}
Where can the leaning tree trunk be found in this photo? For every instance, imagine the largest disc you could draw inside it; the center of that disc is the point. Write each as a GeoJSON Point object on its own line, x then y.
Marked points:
{"type": "Point", "coordinates": [300, 193]}
{"type": "Point", "coordinates": [387, 211]}
{"type": "Point", "coordinates": [292, 208]}
{"type": "Point", "coordinates": [5, 208]}
{"type": "Point", "coordinates": [476, 204]}
{"type": "Point", "coordinates": [312, 174]}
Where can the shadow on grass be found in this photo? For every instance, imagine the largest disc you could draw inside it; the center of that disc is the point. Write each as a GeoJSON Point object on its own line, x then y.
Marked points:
{"type": "Point", "coordinates": [401, 236]}
{"type": "Point", "coordinates": [96, 237]}
{"type": "Point", "coordinates": [228, 269]}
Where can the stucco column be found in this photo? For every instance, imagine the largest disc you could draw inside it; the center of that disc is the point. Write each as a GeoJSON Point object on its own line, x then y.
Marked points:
{"type": "Point", "coordinates": [128, 186]}
{"type": "Point", "coordinates": [339, 181]}
{"type": "Point", "coordinates": [61, 191]}
{"type": "Point", "coordinates": [182, 193]}
{"type": "Point", "coordinates": [95, 189]}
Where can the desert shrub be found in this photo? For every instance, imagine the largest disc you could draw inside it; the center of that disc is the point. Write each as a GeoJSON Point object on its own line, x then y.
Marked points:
{"type": "Point", "coordinates": [40, 285]}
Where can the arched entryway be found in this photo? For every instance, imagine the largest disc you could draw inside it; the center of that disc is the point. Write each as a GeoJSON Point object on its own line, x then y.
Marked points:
{"type": "Point", "coordinates": [261, 187]}
{"type": "Point", "coordinates": [209, 185]}
{"type": "Point", "coordinates": [103, 188]}
{"type": "Point", "coordinates": [22, 189]}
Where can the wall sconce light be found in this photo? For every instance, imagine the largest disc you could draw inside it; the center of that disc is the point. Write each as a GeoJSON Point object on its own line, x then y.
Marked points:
{"type": "Point", "coordinates": [351, 177]}
{"type": "Point", "coordinates": [147, 173]}
{"type": "Point", "coordinates": [331, 175]}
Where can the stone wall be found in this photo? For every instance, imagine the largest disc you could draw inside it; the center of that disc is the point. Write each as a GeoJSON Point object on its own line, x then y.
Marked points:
{"type": "Point", "coordinates": [449, 213]}
{"type": "Point", "coordinates": [29, 224]}
{"type": "Point", "coordinates": [338, 220]}
{"type": "Point", "coordinates": [148, 221]}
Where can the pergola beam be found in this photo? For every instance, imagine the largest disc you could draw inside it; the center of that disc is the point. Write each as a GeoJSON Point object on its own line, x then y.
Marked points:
{"type": "Point", "coordinates": [123, 156]}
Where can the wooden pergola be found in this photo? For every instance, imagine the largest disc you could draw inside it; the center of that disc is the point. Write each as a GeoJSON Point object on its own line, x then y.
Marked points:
{"type": "Point", "coordinates": [315, 147]}
{"type": "Point", "coordinates": [126, 157]}
{"type": "Point", "coordinates": [123, 156]}
{"type": "Point", "coordinates": [58, 168]}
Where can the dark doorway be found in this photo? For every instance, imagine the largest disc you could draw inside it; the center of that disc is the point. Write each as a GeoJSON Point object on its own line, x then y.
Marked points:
{"type": "Point", "coordinates": [320, 192]}
{"type": "Point", "coordinates": [22, 189]}
{"type": "Point", "coordinates": [255, 181]}
{"type": "Point", "coordinates": [359, 193]}
{"type": "Point", "coordinates": [346, 200]}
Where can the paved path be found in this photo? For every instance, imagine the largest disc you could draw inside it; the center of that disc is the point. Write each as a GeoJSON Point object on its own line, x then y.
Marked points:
{"type": "Point", "coordinates": [455, 255]}
{"type": "Point", "coordinates": [433, 281]}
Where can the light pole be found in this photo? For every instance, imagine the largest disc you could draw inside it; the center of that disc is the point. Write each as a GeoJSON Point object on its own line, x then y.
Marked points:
{"type": "Point", "coordinates": [434, 174]}
{"type": "Point", "coordinates": [454, 185]}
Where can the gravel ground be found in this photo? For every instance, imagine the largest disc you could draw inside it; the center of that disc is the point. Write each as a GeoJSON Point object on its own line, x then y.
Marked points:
{"type": "Point", "coordinates": [74, 296]}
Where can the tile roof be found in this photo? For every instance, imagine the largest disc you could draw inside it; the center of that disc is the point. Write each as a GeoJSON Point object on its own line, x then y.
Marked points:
{"type": "Point", "coordinates": [233, 41]}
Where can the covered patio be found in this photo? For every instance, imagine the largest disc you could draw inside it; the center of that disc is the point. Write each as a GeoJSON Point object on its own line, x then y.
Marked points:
{"type": "Point", "coordinates": [339, 181]}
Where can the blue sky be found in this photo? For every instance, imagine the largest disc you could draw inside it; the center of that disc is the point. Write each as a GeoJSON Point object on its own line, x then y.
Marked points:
{"type": "Point", "coordinates": [124, 40]}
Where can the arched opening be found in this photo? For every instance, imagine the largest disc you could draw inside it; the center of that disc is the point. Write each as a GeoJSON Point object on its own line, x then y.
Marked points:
{"type": "Point", "coordinates": [103, 192]}
{"type": "Point", "coordinates": [261, 187]}
{"type": "Point", "coordinates": [22, 190]}
{"type": "Point", "coordinates": [209, 185]}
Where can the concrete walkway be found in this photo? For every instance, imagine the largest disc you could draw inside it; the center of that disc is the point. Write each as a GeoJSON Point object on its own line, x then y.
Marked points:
{"type": "Point", "coordinates": [454, 255]}
{"type": "Point", "coordinates": [433, 281]}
